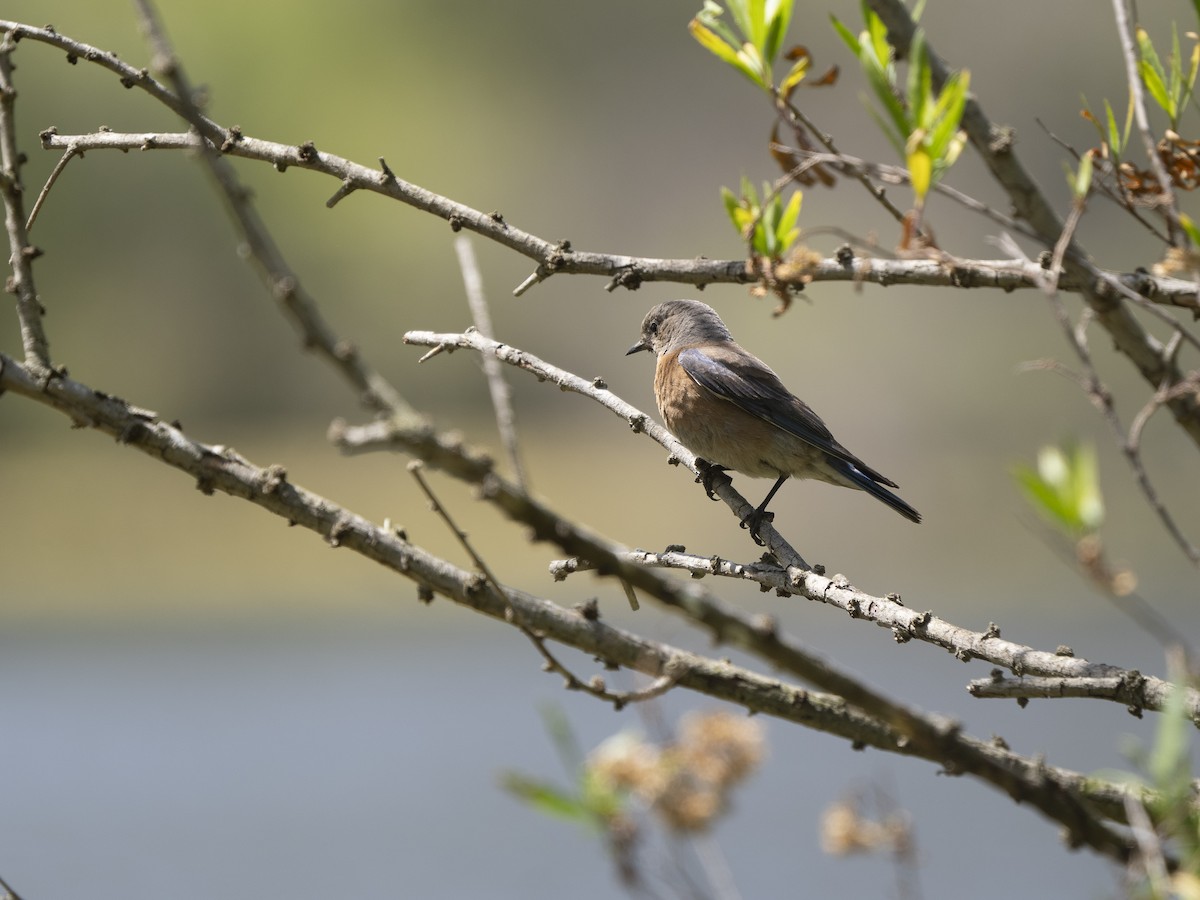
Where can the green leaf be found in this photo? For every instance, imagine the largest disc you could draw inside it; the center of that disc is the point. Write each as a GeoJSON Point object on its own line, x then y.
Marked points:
{"type": "Point", "coordinates": [1085, 487]}
{"type": "Point", "coordinates": [877, 36]}
{"type": "Point", "coordinates": [920, 170]}
{"type": "Point", "coordinates": [548, 799]}
{"type": "Point", "coordinates": [889, 131]}
{"type": "Point", "coordinates": [554, 720]}
{"type": "Point", "coordinates": [1117, 139]}
{"type": "Point", "coordinates": [786, 232]}
{"type": "Point", "coordinates": [716, 45]}
{"type": "Point", "coordinates": [1042, 497]}
{"type": "Point", "coordinates": [947, 116]}
{"type": "Point", "coordinates": [920, 82]}
{"type": "Point", "coordinates": [1193, 69]}
{"type": "Point", "coordinates": [1148, 54]}
{"type": "Point", "coordinates": [740, 10]}
{"type": "Point", "coordinates": [796, 75]}
{"type": "Point", "coordinates": [1083, 177]}
{"type": "Point", "coordinates": [875, 57]}
{"type": "Point", "coordinates": [756, 15]}
{"type": "Point", "coordinates": [850, 39]}
{"type": "Point", "coordinates": [711, 17]}
{"type": "Point", "coordinates": [1189, 226]}
{"type": "Point", "coordinates": [779, 16]}
{"type": "Point", "coordinates": [1065, 488]}
{"type": "Point", "coordinates": [753, 62]}
{"type": "Point", "coordinates": [1175, 66]}
{"type": "Point", "coordinates": [1151, 70]}
{"type": "Point", "coordinates": [764, 231]}
{"type": "Point", "coordinates": [746, 215]}
{"type": "Point", "coordinates": [729, 198]}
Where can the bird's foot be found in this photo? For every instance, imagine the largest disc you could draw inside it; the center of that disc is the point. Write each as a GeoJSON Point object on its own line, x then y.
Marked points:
{"type": "Point", "coordinates": [755, 521]}
{"type": "Point", "coordinates": [709, 472]}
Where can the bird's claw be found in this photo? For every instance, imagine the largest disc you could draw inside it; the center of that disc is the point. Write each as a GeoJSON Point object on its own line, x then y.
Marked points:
{"type": "Point", "coordinates": [755, 521]}
{"type": "Point", "coordinates": [708, 476]}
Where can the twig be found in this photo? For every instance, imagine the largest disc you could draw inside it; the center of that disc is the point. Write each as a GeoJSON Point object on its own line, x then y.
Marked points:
{"type": "Point", "coordinates": [1063, 244]}
{"type": "Point", "coordinates": [1150, 849]}
{"type": "Point", "coordinates": [1133, 453]}
{"type": "Point", "coordinates": [506, 420]}
{"type": "Point", "coordinates": [9, 893]}
{"type": "Point", "coordinates": [414, 469]}
{"type": "Point", "coordinates": [594, 686]}
{"type": "Point", "coordinates": [70, 154]}
{"type": "Point", "coordinates": [1138, 98]}
{"type": "Point", "coordinates": [786, 108]}
{"type": "Point", "coordinates": [21, 252]}
{"type": "Point", "coordinates": [1125, 689]}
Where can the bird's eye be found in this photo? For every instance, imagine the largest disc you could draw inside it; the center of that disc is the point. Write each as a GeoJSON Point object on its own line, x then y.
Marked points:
{"type": "Point", "coordinates": [653, 328]}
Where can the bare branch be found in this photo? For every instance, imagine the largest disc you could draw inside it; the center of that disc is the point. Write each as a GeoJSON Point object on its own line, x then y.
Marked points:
{"type": "Point", "coordinates": [800, 123]}
{"type": "Point", "coordinates": [12, 192]}
{"type": "Point", "coordinates": [9, 893]}
{"type": "Point", "coordinates": [595, 686]}
{"type": "Point", "coordinates": [506, 419]}
{"type": "Point", "coordinates": [1132, 448]}
{"type": "Point", "coordinates": [947, 271]}
{"type": "Point", "coordinates": [1060, 667]}
{"type": "Point", "coordinates": [1125, 689]}
{"type": "Point", "coordinates": [71, 153]}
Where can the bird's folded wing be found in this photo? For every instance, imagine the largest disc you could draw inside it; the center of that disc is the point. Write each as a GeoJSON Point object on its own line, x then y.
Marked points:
{"type": "Point", "coordinates": [743, 380]}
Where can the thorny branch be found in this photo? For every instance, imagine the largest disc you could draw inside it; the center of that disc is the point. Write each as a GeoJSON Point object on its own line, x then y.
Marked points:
{"type": "Point", "coordinates": [787, 579]}
{"type": "Point", "coordinates": [629, 271]}
{"type": "Point", "coordinates": [506, 418]}
{"type": "Point", "coordinates": [21, 252]}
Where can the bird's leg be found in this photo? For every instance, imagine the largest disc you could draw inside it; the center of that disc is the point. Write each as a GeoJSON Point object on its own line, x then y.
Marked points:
{"type": "Point", "coordinates": [755, 519]}
{"type": "Point", "coordinates": [709, 473]}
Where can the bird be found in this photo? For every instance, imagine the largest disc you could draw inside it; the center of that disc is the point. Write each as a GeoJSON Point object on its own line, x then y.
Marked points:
{"type": "Point", "coordinates": [730, 408]}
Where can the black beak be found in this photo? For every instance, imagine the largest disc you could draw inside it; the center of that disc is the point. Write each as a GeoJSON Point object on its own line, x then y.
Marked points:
{"type": "Point", "coordinates": [638, 347]}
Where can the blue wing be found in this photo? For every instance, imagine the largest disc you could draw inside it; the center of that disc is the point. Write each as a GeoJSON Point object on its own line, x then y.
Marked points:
{"type": "Point", "coordinates": [734, 375]}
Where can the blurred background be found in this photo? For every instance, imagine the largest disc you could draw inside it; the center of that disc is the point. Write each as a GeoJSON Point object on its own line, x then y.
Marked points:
{"type": "Point", "coordinates": [198, 700]}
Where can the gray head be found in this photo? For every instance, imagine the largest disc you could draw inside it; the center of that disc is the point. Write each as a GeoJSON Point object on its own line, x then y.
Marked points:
{"type": "Point", "coordinates": [680, 323]}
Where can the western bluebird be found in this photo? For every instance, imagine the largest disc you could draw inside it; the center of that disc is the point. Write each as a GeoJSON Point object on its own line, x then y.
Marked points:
{"type": "Point", "coordinates": [729, 408]}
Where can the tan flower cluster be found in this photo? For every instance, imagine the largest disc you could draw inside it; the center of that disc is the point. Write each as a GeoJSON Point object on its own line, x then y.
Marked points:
{"type": "Point", "coordinates": [686, 783]}
{"type": "Point", "coordinates": [845, 830]}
